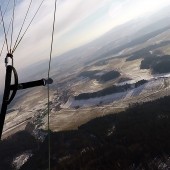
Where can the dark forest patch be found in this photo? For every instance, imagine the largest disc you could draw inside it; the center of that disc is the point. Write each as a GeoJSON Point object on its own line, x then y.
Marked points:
{"type": "Point", "coordinates": [14, 146]}
{"type": "Point", "coordinates": [129, 140]}
{"type": "Point", "coordinates": [145, 52]}
{"type": "Point", "coordinates": [111, 75]}
{"type": "Point", "coordinates": [89, 74]}
{"type": "Point", "coordinates": [158, 65]}
{"type": "Point", "coordinates": [104, 77]}
{"type": "Point", "coordinates": [109, 90]}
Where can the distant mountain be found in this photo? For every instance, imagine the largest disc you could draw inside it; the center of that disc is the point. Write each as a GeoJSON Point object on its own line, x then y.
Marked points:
{"type": "Point", "coordinates": [124, 36]}
{"type": "Point", "coordinates": [127, 35]}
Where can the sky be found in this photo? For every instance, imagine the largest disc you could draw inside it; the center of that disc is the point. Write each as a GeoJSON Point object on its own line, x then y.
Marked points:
{"type": "Point", "coordinates": [77, 22]}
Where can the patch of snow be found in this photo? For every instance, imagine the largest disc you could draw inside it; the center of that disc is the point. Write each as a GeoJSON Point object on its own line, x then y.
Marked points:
{"type": "Point", "coordinates": [39, 134]}
{"type": "Point", "coordinates": [151, 52]}
{"type": "Point", "coordinates": [110, 131]}
{"type": "Point", "coordinates": [21, 159]}
{"type": "Point", "coordinates": [162, 75]}
{"type": "Point", "coordinates": [126, 82]}
{"type": "Point", "coordinates": [151, 86]}
{"type": "Point", "coordinates": [68, 104]}
{"type": "Point", "coordinates": [99, 74]}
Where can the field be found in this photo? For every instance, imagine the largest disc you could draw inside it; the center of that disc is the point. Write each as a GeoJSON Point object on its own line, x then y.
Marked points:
{"type": "Point", "coordinates": [103, 94]}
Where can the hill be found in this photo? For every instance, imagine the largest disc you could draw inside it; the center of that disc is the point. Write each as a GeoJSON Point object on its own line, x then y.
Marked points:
{"type": "Point", "coordinates": [137, 138]}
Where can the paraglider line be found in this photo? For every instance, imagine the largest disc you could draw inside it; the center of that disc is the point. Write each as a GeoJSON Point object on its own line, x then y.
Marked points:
{"type": "Point", "coordinates": [13, 16]}
{"type": "Point", "coordinates": [4, 30]}
{"type": "Point", "coordinates": [23, 23]}
{"type": "Point", "coordinates": [49, 68]}
{"type": "Point", "coordinates": [4, 40]}
{"type": "Point", "coordinates": [27, 27]}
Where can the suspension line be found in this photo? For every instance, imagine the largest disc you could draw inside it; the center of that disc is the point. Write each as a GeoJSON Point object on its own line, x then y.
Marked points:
{"type": "Point", "coordinates": [23, 23]}
{"type": "Point", "coordinates": [27, 27]}
{"type": "Point", "coordinates": [13, 14]}
{"type": "Point", "coordinates": [49, 68]}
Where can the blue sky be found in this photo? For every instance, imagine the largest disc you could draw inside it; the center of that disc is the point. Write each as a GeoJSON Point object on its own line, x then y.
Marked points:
{"type": "Point", "coordinates": [77, 22]}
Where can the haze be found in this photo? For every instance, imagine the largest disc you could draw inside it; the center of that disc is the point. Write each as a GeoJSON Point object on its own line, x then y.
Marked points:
{"type": "Point", "coordinates": [77, 22]}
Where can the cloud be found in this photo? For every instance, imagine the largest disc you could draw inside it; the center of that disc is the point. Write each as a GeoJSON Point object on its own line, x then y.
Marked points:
{"type": "Point", "coordinates": [77, 22]}
{"type": "Point", "coordinates": [37, 40]}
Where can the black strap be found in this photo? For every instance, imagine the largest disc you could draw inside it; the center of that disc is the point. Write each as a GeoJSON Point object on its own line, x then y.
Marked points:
{"type": "Point", "coordinates": [6, 98]}
{"type": "Point", "coordinates": [14, 90]}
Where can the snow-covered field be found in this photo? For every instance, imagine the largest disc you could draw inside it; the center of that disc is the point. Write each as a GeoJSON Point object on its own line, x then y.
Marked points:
{"type": "Point", "coordinates": [154, 85]}
{"type": "Point", "coordinates": [68, 113]}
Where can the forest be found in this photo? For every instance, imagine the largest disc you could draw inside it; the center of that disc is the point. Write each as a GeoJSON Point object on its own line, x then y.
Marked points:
{"type": "Point", "coordinates": [157, 64]}
{"type": "Point", "coordinates": [104, 77]}
{"type": "Point", "coordinates": [138, 138]}
{"type": "Point", "coordinates": [109, 90]}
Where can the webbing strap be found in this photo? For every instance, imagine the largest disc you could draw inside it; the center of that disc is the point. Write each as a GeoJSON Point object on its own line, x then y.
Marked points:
{"type": "Point", "coordinates": [7, 98]}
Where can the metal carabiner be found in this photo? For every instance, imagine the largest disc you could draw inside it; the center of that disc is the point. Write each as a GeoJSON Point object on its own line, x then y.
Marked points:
{"type": "Point", "coordinates": [9, 55]}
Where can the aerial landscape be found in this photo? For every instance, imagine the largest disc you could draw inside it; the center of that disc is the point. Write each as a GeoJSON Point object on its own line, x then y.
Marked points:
{"type": "Point", "coordinates": [110, 98]}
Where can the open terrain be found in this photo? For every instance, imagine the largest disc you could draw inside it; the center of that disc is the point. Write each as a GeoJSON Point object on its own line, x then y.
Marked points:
{"type": "Point", "coordinates": [94, 86]}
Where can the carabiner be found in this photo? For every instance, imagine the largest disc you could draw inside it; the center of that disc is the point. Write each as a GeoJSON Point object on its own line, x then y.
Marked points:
{"type": "Point", "coordinates": [9, 55]}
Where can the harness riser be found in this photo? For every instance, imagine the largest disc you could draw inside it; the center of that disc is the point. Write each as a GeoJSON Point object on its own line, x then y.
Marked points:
{"type": "Point", "coordinates": [11, 90]}
{"type": "Point", "coordinates": [5, 97]}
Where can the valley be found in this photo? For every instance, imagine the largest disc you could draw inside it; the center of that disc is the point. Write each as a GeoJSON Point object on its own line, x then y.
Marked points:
{"type": "Point", "coordinates": [103, 91]}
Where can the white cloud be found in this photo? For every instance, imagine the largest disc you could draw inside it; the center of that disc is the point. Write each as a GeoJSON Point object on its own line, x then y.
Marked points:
{"type": "Point", "coordinates": [77, 22]}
